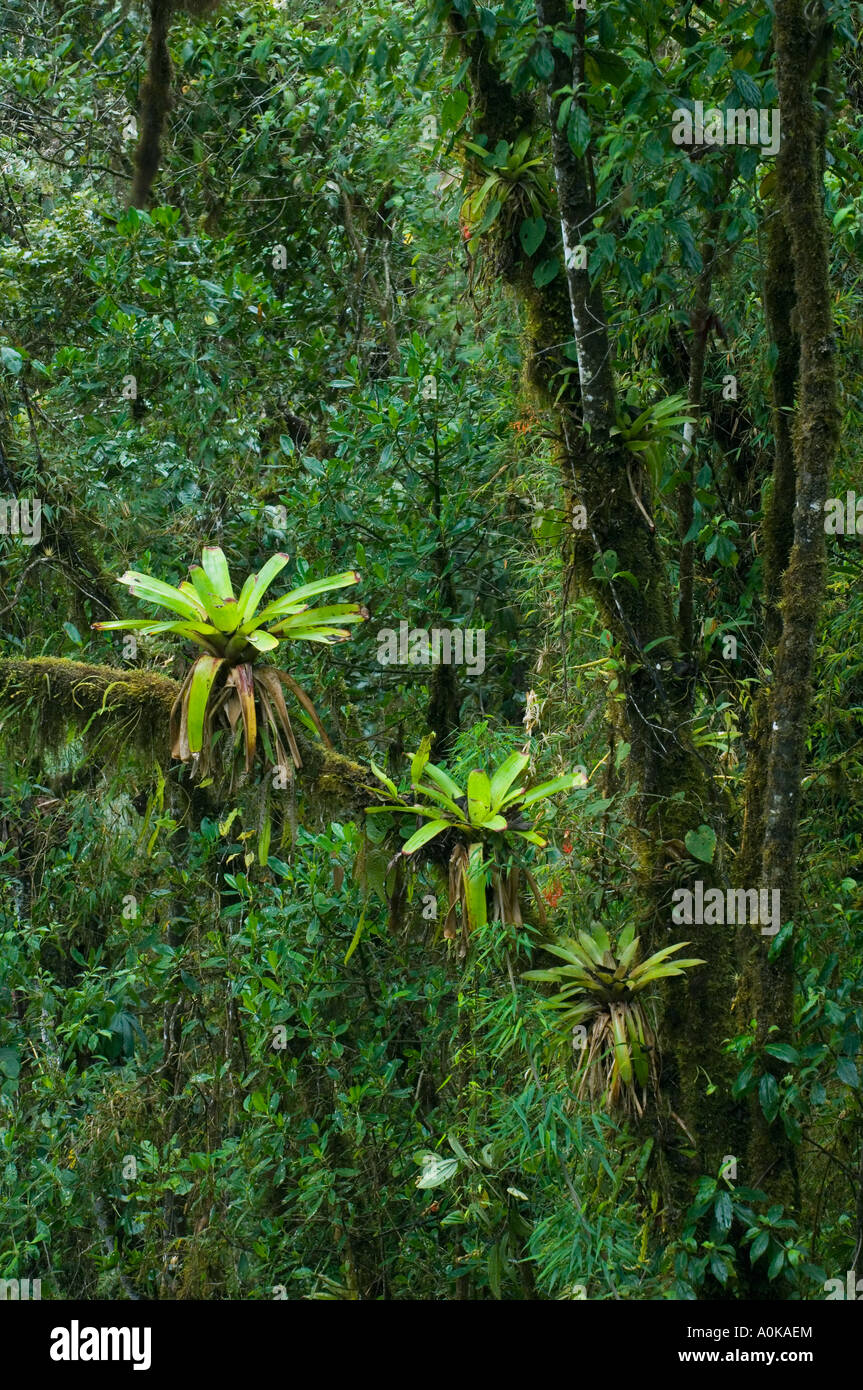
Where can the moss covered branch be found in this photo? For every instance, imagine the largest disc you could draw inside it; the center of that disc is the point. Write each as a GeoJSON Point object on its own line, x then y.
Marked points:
{"type": "Point", "coordinates": [117, 710]}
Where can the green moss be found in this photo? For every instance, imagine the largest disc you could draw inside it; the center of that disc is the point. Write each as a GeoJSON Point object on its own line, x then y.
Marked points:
{"type": "Point", "coordinates": [108, 706]}
{"type": "Point", "coordinates": [117, 711]}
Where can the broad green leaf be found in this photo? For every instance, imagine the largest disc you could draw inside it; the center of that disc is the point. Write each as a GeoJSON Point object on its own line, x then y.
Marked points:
{"type": "Point", "coordinates": [205, 670]}
{"type": "Point", "coordinates": [723, 1212]}
{"type": "Point", "coordinates": [154, 591]}
{"type": "Point", "coordinates": [557, 784]}
{"type": "Point", "coordinates": [243, 599]}
{"type": "Point", "coordinates": [206, 593]}
{"type": "Point", "coordinates": [216, 569]}
{"type": "Point", "coordinates": [531, 234]}
{"type": "Point", "coordinates": [478, 796]}
{"type": "Point", "coordinates": [505, 776]}
{"type": "Point", "coordinates": [759, 1245]}
{"type": "Point", "coordinates": [262, 641]}
{"type": "Point", "coordinates": [846, 1070]}
{"type": "Point", "coordinates": [701, 843]}
{"type": "Point", "coordinates": [262, 581]}
{"type": "Point", "coordinates": [423, 835]}
{"type": "Point", "coordinates": [192, 595]}
{"type": "Point", "coordinates": [768, 1096]}
{"type": "Point", "coordinates": [225, 616]}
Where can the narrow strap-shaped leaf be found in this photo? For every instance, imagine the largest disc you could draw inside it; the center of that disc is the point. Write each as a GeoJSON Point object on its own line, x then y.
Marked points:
{"type": "Point", "coordinates": [423, 835]}
{"type": "Point", "coordinates": [420, 758]}
{"type": "Point", "coordinates": [262, 581]}
{"type": "Point", "coordinates": [204, 673]}
{"type": "Point", "coordinates": [216, 569]}
{"type": "Point", "coordinates": [657, 958]}
{"type": "Point", "coordinates": [443, 800]}
{"type": "Point", "coordinates": [382, 777]}
{"type": "Point", "coordinates": [531, 837]}
{"type": "Point", "coordinates": [506, 774]}
{"type": "Point", "coordinates": [154, 591]}
{"type": "Point", "coordinates": [442, 779]}
{"type": "Point", "coordinates": [327, 636]}
{"type": "Point", "coordinates": [345, 612]}
{"type": "Point", "coordinates": [119, 624]}
{"type": "Point", "coordinates": [557, 784]}
{"type": "Point", "coordinates": [320, 586]}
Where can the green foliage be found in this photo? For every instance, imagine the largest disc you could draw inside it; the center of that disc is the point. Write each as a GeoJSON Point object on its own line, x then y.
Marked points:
{"type": "Point", "coordinates": [598, 1009]}
{"type": "Point", "coordinates": [238, 1052]}
{"type": "Point", "coordinates": [235, 630]}
{"type": "Point", "coordinates": [476, 825]}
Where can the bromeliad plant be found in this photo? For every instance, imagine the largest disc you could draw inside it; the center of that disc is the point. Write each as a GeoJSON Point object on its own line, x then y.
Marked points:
{"type": "Point", "coordinates": [599, 1005]}
{"type": "Point", "coordinates": [511, 179]}
{"type": "Point", "coordinates": [223, 683]}
{"type": "Point", "coordinates": [473, 832]}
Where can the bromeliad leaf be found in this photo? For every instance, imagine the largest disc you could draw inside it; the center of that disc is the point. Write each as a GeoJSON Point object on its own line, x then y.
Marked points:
{"type": "Point", "coordinates": [506, 774]}
{"type": "Point", "coordinates": [423, 835]}
{"type": "Point", "coordinates": [478, 796]}
{"type": "Point", "coordinates": [204, 671]}
{"type": "Point", "coordinates": [262, 581]}
{"type": "Point", "coordinates": [216, 569]}
{"type": "Point", "coordinates": [234, 634]}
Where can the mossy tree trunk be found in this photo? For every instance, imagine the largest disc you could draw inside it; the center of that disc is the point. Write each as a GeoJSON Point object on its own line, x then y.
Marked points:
{"type": "Point", "coordinates": [676, 787]}
{"type": "Point", "coordinates": [798, 545]}
{"type": "Point", "coordinates": [155, 103]}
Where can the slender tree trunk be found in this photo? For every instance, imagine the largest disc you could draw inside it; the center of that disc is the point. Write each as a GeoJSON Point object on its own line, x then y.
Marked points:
{"type": "Point", "coordinates": [695, 388]}
{"type": "Point", "coordinates": [155, 104]}
{"type": "Point", "coordinates": [676, 788]}
{"type": "Point", "coordinates": [770, 983]}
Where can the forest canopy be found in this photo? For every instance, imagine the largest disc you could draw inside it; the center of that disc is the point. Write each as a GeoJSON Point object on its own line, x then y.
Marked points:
{"type": "Point", "coordinates": [430, 650]}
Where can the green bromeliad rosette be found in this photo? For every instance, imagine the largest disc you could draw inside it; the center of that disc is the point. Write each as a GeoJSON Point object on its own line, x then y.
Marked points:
{"type": "Point", "coordinates": [599, 1009]}
{"type": "Point", "coordinates": [224, 685]}
{"type": "Point", "coordinates": [475, 833]}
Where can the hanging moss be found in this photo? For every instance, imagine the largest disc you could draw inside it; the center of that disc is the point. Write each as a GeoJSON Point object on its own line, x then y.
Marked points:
{"type": "Point", "coordinates": [155, 96]}
{"type": "Point", "coordinates": [118, 710]}
{"type": "Point", "coordinates": [106, 705]}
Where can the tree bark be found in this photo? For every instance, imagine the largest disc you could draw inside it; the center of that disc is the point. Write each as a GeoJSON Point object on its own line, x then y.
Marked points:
{"type": "Point", "coordinates": [815, 440]}
{"type": "Point", "coordinates": [676, 788]}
